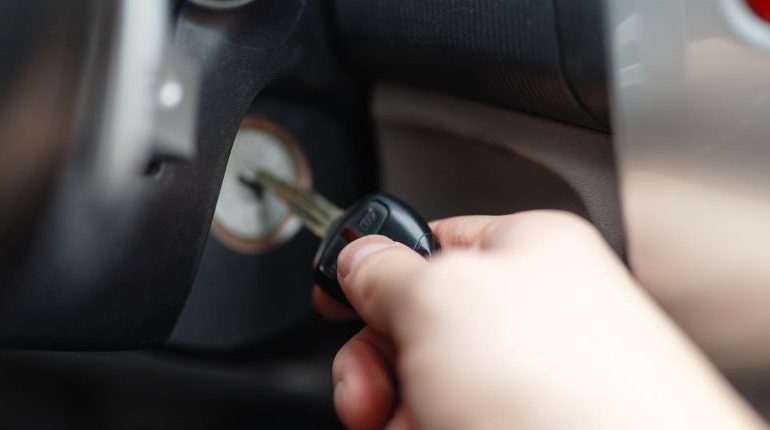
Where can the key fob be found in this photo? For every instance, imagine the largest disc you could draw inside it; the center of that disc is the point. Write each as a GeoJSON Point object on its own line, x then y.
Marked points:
{"type": "Point", "coordinates": [376, 214]}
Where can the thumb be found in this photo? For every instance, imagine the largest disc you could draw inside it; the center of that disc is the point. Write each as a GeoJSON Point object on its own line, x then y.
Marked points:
{"type": "Point", "coordinates": [374, 273]}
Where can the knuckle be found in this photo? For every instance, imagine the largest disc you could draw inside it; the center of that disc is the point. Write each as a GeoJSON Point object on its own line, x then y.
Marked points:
{"type": "Point", "coordinates": [451, 231]}
{"type": "Point", "coordinates": [549, 227]}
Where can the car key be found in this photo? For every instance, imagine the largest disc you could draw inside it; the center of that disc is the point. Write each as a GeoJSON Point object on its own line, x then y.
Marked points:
{"type": "Point", "coordinates": [377, 213]}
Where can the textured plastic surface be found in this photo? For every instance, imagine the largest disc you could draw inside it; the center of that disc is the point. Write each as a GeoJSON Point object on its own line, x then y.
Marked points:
{"type": "Point", "coordinates": [239, 300]}
{"type": "Point", "coordinates": [507, 53]}
{"type": "Point", "coordinates": [377, 214]}
{"type": "Point", "coordinates": [112, 271]}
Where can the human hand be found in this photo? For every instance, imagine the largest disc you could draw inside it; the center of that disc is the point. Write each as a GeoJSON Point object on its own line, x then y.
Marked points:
{"type": "Point", "coordinates": [526, 321]}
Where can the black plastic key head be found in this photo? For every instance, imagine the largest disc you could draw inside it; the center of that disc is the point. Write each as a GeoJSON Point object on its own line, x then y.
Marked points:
{"type": "Point", "coordinates": [376, 214]}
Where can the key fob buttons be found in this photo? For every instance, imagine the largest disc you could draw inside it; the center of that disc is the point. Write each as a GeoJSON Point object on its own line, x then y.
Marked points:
{"type": "Point", "coordinates": [377, 214]}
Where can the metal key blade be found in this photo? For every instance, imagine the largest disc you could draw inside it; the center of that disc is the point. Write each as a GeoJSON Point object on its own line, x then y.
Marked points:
{"type": "Point", "coordinates": [315, 212]}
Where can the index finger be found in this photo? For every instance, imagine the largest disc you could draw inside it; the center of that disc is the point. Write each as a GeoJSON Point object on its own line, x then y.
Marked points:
{"type": "Point", "coordinates": [462, 231]}
{"type": "Point", "coordinates": [500, 232]}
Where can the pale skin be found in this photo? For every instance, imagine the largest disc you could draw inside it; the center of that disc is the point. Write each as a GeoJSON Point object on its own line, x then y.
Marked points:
{"type": "Point", "coordinates": [526, 321]}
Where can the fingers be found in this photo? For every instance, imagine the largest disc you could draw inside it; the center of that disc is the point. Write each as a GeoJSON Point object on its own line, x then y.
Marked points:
{"type": "Point", "coordinates": [494, 232]}
{"type": "Point", "coordinates": [375, 272]}
{"type": "Point", "coordinates": [461, 231]}
{"type": "Point", "coordinates": [371, 292]}
{"type": "Point", "coordinates": [364, 391]}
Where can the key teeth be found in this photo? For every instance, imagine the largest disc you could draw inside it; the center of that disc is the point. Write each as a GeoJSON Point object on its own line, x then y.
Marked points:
{"type": "Point", "coordinates": [315, 212]}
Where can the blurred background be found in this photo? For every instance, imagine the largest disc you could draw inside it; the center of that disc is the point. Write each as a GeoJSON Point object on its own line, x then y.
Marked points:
{"type": "Point", "coordinates": [142, 286]}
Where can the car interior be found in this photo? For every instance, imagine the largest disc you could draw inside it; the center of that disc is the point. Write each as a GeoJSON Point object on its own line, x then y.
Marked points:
{"type": "Point", "coordinates": [139, 291]}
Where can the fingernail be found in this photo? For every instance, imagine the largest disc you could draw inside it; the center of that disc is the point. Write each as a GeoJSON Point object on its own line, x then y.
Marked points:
{"type": "Point", "coordinates": [339, 391]}
{"type": "Point", "coordinates": [353, 254]}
